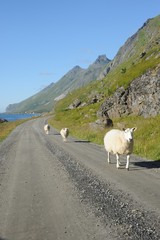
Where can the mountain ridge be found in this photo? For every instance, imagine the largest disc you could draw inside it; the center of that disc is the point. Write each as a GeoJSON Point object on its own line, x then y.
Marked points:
{"type": "Point", "coordinates": [140, 46]}
{"type": "Point", "coordinates": [44, 100]}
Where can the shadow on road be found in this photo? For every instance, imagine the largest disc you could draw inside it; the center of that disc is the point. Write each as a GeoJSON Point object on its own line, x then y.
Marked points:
{"type": "Point", "coordinates": [148, 164]}
{"type": "Point", "coordinates": [82, 141]}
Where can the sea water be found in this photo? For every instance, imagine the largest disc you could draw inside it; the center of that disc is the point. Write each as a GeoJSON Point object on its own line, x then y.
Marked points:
{"type": "Point", "coordinates": [14, 116]}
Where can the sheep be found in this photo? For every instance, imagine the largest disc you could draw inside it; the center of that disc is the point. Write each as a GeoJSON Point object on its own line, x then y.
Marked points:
{"type": "Point", "coordinates": [46, 128]}
{"type": "Point", "coordinates": [119, 142]}
{"type": "Point", "coordinates": [64, 133]}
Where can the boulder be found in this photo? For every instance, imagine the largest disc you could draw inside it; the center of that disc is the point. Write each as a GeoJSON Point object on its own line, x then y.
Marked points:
{"type": "Point", "coordinates": [75, 104]}
{"type": "Point", "coordinates": [3, 120]}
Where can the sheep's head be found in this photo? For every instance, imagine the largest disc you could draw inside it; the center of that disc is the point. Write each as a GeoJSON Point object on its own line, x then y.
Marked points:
{"type": "Point", "coordinates": [66, 131]}
{"type": "Point", "coordinates": [129, 134]}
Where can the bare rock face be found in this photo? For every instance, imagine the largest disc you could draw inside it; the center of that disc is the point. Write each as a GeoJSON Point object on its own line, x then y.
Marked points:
{"type": "Point", "coordinates": [141, 98]}
{"type": "Point", "coordinates": [75, 104]}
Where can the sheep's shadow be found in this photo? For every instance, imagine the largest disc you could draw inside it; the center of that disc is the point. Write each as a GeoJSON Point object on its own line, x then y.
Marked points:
{"type": "Point", "coordinates": [82, 141]}
{"type": "Point", "coordinates": [148, 164]}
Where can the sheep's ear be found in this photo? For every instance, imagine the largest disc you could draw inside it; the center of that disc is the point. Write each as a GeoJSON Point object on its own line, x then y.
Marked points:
{"type": "Point", "coordinates": [123, 129]}
{"type": "Point", "coordinates": [134, 129]}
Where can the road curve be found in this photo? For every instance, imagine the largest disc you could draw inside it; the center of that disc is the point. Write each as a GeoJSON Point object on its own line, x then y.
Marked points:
{"type": "Point", "coordinates": [51, 190]}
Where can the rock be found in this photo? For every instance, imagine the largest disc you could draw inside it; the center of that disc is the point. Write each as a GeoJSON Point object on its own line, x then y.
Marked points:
{"type": "Point", "coordinates": [3, 120]}
{"type": "Point", "coordinates": [75, 104]}
{"type": "Point", "coordinates": [104, 119]}
{"type": "Point", "coordinates": [142, 54]}
{"type": "Point", "coordinates": [141, 98]}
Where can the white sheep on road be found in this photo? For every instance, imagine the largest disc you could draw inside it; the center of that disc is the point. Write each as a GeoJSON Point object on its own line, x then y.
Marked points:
{"type": "Point", "coordinates": [64, 133]}
{"type": "Point", "coordinates": [119, 142]}
{"type": "Point", "coordinates": [46, 128]}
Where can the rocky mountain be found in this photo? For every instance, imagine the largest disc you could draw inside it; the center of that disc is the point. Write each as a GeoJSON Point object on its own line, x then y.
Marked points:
{"type": "Point", "coordinates": [75, 78]}
{"type": "Point", "coordinates": [133, 75]}
{"type": "Point", "coordinates": [140, 98]}
{"type": "Point", "coordinates": [137, 46]}
{"type": "Point", "coordinates": [142, 95]}
{"type": "Point", "coordinates": [131, 84]}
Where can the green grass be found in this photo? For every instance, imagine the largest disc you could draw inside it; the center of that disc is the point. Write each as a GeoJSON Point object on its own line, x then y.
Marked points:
{"type": "Point", "coordinates": [147, 136]}
{"type": "Point", "coordinates": [7, 127]}
{"type": "Point", "coordinates": [112, 81]}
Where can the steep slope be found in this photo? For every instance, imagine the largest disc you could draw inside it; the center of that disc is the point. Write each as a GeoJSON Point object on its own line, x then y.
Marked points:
{"type": "Point", "coordinates": [131, 86]}
{"type": "Point", "coordinates": [140, 98]}
{"type": "Point", "coordinates": [128, 96]}
{"type": "Point", "coordinates": [139, 53]}
{"type": "Point", "coordinates": [75, 78]}
{"type": "Point", "coordinates": [145, 40]}
{"type": "Point", "coordinates": [137, 81]}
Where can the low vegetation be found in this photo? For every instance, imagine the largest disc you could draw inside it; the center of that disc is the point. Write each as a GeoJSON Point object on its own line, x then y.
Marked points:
{"type": "Point", "coordinates": [147, 135]}
{"type": "Point", "coordinates": [79, 120]}
{"type": "Point", "coordinates": [7, 127]}
{"type": "Point", "coordinates": [143, 55]}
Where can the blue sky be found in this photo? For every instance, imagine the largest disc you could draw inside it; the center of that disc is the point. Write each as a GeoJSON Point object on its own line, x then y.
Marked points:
{"type": "Point", "coordinates": [41, 40]}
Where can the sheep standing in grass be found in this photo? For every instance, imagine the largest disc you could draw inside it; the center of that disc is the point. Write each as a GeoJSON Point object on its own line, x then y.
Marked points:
{"type": "Point", "coordinates": [46, 128]}
{"type": "Point", "coordinates": [64, 133]}
{"type": "Point", "coordinates": [119, 142]}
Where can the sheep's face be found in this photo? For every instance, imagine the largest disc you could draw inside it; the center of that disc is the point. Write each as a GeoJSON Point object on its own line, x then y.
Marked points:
{"type": "Point", "coordinates": [129, 134]}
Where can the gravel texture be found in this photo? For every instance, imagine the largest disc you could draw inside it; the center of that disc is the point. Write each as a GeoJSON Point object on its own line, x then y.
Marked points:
{"type": "Point", "coordinates": [117, 210]}
{"type": "Point", "coordinates": [109, 204]}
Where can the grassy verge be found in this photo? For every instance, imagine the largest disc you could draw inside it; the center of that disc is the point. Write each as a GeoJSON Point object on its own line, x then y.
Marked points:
{"type": "Point", "coordinates": [7, 127]}
{"type": "Point", "coordinates": [147, 137]}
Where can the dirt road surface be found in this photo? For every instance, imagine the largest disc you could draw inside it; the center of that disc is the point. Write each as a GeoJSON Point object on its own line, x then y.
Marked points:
{"type": "Point", "coordinates": [51, 190]}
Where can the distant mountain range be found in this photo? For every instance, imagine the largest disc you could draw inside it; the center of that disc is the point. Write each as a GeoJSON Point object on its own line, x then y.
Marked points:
{"type": "Point", "coordinates": [143, 43]}
{"type": "Point", "coordinates": [75, 78]}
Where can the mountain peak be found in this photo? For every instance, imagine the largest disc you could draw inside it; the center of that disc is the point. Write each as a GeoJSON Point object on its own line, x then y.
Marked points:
{"type": "Point", "coordinates": [76, 68]}
{"type": "Point", "coordinates": [102, 59]}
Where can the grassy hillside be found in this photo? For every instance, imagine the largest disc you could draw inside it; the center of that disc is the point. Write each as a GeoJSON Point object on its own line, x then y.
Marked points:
{"type": "Point", "coordinates": [127, 65]}
{"type": "Point", "coordinates": [45, 100]}
{"type": "Point", "coordinates": [78, 120]}
{"type": "Point", "coordinates": [147, 135]}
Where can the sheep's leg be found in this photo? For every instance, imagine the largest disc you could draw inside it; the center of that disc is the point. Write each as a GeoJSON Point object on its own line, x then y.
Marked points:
{"type": "Point", "coordinates": [118, 162]}
{"type": "Point", "coordinates": [109, 158]}
{"type": "Point", "coordinates": [127, 164]}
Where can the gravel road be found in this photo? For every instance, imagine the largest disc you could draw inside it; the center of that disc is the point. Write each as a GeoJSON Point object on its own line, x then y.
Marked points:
{"type": "Point", "coordinates": [51, 190]}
